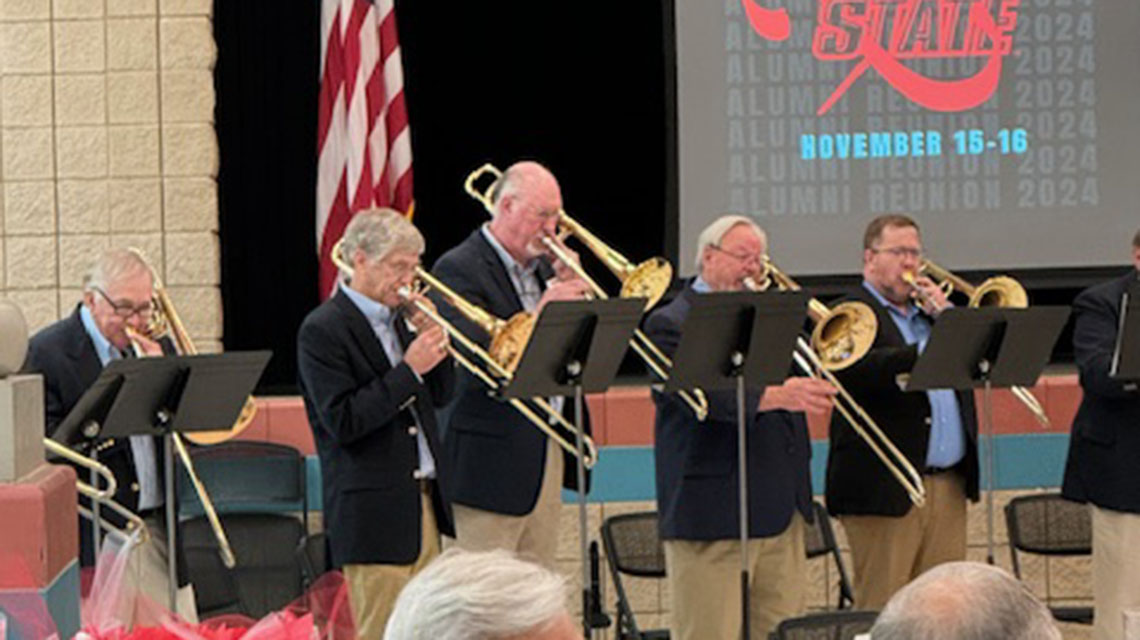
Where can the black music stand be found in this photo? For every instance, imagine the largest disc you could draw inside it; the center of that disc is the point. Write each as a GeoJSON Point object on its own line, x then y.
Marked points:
{"type": "Point", "coordinates": [163, 396]}
{"type": "Point", "coordinates": [985, 348]}
{"type": "Point", "coordinates": [1126, 354]}
{"type": "Point", "coordinates": [576, 347]}
{"type": "Point", "coordinates": [741, 341]}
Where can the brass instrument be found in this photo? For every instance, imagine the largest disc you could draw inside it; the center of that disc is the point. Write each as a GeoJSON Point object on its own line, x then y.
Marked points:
{"type": "Point", "coordinates": [508, 340]}
{"type": "Point", "coordinates": [165, 320]}
{"type": "Point", "coordinates": [104, 496]}
{"type": "Point", "coordinates": [998, 291]}
{"type": "Point", "coordinates": [843, 334]}
{"type": "Point", "coordinates": [650, 280]}
{"type": "Point", "coordinates": [811, 364]}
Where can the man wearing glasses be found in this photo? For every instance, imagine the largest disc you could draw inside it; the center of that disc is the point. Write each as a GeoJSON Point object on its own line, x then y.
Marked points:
{"type": "Point", "coordinates": [70, 354]}
{"type": "Point", "coordinates": [891, 540]}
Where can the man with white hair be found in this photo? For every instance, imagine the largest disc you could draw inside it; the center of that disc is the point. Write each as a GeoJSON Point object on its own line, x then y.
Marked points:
{"type": "Point", "coordinates": [697, 474]}
{"type": "Point", "coordinates": [370, 391]}
{"type": "Point", "coordinates": [965, 601]}
{"type": "Point", "coordinates": [110, 323]}
{"type": "Point", "coordinates": [482, 595]}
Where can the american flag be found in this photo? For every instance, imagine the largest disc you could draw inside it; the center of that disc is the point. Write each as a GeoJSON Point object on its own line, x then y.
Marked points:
{"type": "Point", "coordinates": [363, 140]}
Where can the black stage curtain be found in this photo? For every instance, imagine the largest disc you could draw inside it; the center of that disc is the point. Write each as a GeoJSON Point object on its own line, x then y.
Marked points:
{"type": "Point", "coordinates": [587, 90]}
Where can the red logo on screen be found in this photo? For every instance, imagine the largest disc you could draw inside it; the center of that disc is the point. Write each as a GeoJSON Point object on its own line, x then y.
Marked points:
{"type": "Point", "coordinates": [880, 34]}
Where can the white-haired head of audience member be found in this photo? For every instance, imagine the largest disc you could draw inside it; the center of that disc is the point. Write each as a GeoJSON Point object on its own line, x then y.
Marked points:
{"type": "Point", "coordinates": [965, 601]}
{"type": "Point", "coordinates": [492, 595]}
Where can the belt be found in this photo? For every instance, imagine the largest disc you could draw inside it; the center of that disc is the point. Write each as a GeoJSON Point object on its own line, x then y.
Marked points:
{"type": "Point", "coordinates": [933, 471]}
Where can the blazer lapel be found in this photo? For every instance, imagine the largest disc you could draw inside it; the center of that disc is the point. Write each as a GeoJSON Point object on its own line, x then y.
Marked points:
{"type": "Point", "coordinates": [499, 274]}
{"type": "Point", "coordinates": [82, 352]}
{"type": "Point", "coordinates": [362, 333]}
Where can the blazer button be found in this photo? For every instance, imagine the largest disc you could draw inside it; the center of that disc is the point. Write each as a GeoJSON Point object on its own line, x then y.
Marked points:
{"type": "Point", "coordinates": [135, 487]}
{"type": "Point", "coordinates": [928, 420]}
{"type": "Point", "coordinates": [412, 431]}
{"type": "Point", "coordinates": [417, 475]}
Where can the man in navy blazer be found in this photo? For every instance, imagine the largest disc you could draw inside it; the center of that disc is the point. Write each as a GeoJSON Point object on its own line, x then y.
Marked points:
{"type": "Point", "coordinates": [370, 392]}
{"type": "Point", "coordinates": [1104, 450]}
{"type": "Point", "coordinates": [508, 474]}
{"type": "Point", "coordinates": [697, 474]}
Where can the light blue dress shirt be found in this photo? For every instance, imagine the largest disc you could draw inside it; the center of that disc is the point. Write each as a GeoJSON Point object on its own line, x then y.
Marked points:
{"type": "Point", "coordinates": [142, 447]}
{"type": "Point", "coordinates": [947, 444]}
{"type": "Point", "coordinates": [380, 318]}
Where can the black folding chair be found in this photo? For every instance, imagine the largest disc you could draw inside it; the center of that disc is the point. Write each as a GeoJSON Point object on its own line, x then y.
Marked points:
{"type": "Point", "coordinates": [819, 539]}
{"type": "Point", "coordinates": [313, 557]}
{"type": "Point", "coordinates": [634, 549]}
{"type": "Point", "coordinates": [254, 486]}
{"type": "Point", "coordinates": [830, 625]}
{"type": "Point", "coordinates": [1050, 525]}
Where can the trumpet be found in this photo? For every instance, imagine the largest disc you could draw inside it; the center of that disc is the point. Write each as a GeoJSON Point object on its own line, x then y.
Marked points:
{"type": "Point", "coordinates": [104, 496]}
{"type": "Point", "coordinates": [998, 291]}
{"type": "Point", "coordinates": [859, 420]}
{"type": "Point", "coordinates": [508, 339]}
{"type": "Point", "coordinates": [650, 280]}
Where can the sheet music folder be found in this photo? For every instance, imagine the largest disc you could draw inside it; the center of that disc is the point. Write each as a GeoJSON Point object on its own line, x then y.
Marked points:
{"type": "Point", "coordinates": [761, 326]}
{"type": "Point", "coordinates": [1016, 342]}
{"type": "Point", "coordinates": [129, 393]}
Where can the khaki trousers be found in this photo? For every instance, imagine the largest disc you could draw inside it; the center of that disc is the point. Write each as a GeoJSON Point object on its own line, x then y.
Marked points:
{"type": "Point", "coordinates": [533, 536]}
{"type": "Point", "coordinates": [704, 578]}
{"type": "Point", "coordinates": [146, 572]}
{"type": "Point", "coordinates": [1115, 570]}
{"type": "Point", "coordinates": [889, 552]}
{"type": "Point", "coordinates": [373, 588]}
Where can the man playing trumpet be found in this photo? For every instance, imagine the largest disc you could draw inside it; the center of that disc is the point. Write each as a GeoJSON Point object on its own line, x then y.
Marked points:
{"type": "Point", "coordinates": [893, 542]}
{"type": "Point", "coordinates": [508, 474]}
{"type": "Point", "coordinates": [697, 474]}
{"type": "Point", "coordinates": [370, 391]}
{"type": "Point", "coordinates": [108, 324]}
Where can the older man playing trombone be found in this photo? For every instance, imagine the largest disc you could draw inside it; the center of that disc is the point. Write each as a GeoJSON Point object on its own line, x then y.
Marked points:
{"type": "Point", "coordinates": [697, 470]}
{"type": "Point", "coordinates": [110, 323]}
{"type": "Point", "coordinates": [508, 474]}
{"type": "Point", "coordinates": [370, 389]}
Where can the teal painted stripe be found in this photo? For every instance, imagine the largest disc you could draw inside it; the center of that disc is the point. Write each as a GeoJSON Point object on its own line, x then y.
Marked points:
{"type": "Point", "coordinates": [626, 474]}
{"type": "Point", "coordinates": [23, 609]}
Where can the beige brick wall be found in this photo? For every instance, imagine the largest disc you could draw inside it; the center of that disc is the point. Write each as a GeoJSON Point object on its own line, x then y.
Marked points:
{"type": "Point", "coordinates": [107, 139]}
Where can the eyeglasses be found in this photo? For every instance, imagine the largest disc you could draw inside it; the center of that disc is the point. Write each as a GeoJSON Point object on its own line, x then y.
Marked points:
{"type": "Point", "coordinates": [125, 309]}
{"type": "Point", "coordinates": [742, 257]}
{"type": "Point", "coordinates": [900, 252]}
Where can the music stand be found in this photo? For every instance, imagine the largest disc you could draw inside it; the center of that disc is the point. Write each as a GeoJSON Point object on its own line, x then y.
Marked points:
{"type": "Point", "coordinates": [985, 348]}
{"type": "Point", "coordinates": [739, 340]}
{"type": "Point", "coordinates": [163, 396]}
{"type": "Point", "coordinates": [576, 347]}
{"type": "Point", "coordinates": [1126, 354]}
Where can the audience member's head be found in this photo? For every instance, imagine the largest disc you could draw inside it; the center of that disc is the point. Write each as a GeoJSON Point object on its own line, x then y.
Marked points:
{"type": "Point", "coordinates": [492, 595]}
{"type": "Point", "coordinates": [965, 601]}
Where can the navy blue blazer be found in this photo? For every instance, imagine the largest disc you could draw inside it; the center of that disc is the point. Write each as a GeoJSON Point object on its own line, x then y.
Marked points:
{"type": "Point", "coordinates": [497, 456]}
{"type": "Point", "coordinates": [363, 411]}
{"type": "Point", "coordinates": [697, 470]}
{"type": "Point", "coordinates": [65, 356]}
{"type": "Point", "coordinates": [858, 482]}
{"type": "Point", "coordinates": [1105, 441]}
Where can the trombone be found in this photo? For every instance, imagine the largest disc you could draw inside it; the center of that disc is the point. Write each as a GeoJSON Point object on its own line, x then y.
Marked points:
{"type": "Point", "coordinates": [508, 340]}
{"type": "Point", "coordinates": [104, 496]}
{"type": "Point", "coordinates": [998, 291]}
{"type": "Point", "coordinates": [166, 320]}
{"type": "Point", "coordinates": [650, 280]}
{"type": "Point", "coordinates": [857, 320]}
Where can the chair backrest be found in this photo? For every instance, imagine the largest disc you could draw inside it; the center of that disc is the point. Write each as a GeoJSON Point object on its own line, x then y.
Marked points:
{"type": "Point", "coordinates": [832, 625]}
{"type": "Point", "coordinates": [247, 476]}
{"type": "Point", "coordinates": [267, 576]}
{"type": "Point", "coordinates": [633, 546]}
{"type": "Point", "coordinates": [313, 556]}
{"type": "Point", "coordinates": [1049, 524]}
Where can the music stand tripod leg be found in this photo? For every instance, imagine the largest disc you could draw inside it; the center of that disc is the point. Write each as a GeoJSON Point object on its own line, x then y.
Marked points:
{"type": "Point", "coordinates": [742, 462]}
